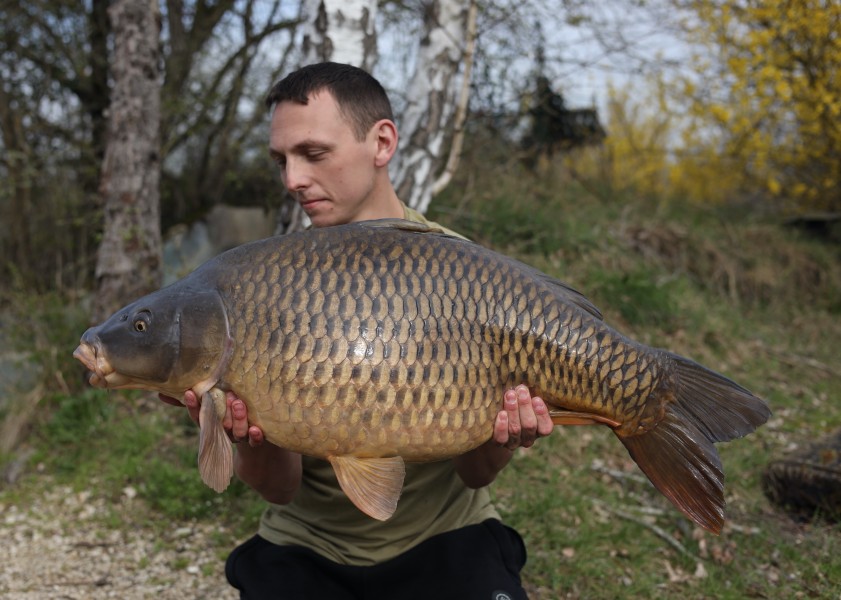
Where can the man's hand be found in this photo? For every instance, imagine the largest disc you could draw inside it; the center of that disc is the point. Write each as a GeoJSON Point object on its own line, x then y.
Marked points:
{"type": "Point", "coordinates": [235, 420]}
{"type": "Point", "coordinates": [521, 421]}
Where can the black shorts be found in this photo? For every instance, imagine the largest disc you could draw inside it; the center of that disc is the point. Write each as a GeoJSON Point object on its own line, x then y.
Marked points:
{"type": "Point", "coordinates": [478, 562]}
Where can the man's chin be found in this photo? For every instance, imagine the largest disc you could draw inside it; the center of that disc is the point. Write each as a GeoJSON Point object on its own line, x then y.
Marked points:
{"type": "Point", "coordinates": [324, 218]}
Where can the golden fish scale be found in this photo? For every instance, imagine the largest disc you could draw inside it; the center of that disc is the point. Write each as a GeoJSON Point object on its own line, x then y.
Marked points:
{"type": "Point", "coordinates": [344, 345]}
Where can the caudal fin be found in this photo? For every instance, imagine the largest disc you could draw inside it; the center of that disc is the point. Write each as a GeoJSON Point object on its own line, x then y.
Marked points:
{"type": "Point", "coordinates": [678, 455]}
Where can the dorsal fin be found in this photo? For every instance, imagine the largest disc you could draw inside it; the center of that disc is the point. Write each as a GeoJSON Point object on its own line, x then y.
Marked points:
{"type": "Point", "coordinates": [569, 293]}
{"type": "Point", "coordinates": [572, 295]}
{"type": "Point", "coordinates": [406, 225]}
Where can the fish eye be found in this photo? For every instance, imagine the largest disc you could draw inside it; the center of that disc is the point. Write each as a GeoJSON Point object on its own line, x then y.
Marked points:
{"type": "Point", "coordinates": [141, 321]}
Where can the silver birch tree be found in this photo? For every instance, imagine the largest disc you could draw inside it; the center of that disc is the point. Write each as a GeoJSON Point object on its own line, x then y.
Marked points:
{"type": "Point", "coordinates": [340, 31]}
{"type": "Point", "coordinates": [432, 96]}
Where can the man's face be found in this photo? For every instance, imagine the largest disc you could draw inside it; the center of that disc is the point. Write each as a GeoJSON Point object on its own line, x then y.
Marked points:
{"type": "Point", "coordinates": [330, 173]}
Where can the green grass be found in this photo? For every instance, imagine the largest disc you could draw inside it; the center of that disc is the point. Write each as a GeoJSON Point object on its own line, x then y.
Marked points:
{"type": "Point", "coordinates": [129, 439]}
{"type": "Point", "coordinates": [673, 276]}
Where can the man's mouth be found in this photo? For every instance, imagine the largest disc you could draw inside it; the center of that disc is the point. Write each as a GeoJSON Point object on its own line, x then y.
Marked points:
{"type": "Point", "coordinates": [307, 203]}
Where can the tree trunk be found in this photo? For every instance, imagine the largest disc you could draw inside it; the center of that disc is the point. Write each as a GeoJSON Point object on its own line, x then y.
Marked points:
{"type": "Point", "coordinates": [340, 31]}
{"type": "Point", "coordinates": [427, 121]}
{"type": "Point", "coordinates": [17, 158]}
{"type": "Point", "coordinates": [129, 258]}
{"type": "Point", "coordinates": [97, 101]}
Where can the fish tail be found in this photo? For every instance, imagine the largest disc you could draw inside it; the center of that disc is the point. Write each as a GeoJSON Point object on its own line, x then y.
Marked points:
{"type": "Point", "coordinates": [678, 454]}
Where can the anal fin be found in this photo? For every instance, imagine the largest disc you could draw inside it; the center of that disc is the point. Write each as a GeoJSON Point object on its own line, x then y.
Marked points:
{"type": "Point", "coordinates": [372, 484]}
{"type": "Point", "coordinates": [569, 417]}
{"type": "Point", "coordinates": [216, 461]}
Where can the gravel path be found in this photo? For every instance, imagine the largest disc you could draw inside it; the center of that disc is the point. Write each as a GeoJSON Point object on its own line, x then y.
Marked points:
{"type": "Point", "coordinates": [71, 545]}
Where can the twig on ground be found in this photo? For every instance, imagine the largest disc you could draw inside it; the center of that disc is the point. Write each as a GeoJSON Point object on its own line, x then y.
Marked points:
{"type": "Point", "coordinates": [796, 360]}
{"type": "Point", "coordinates": [616, 474]}
{"type": "Point", "coordinates": [658, 531]}
{"type": "Point", "coordinates": [99, 582]}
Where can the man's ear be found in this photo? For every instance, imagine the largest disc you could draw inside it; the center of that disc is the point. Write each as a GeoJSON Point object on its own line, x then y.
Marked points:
{"type": "Point", "coordinates": [385, 137]}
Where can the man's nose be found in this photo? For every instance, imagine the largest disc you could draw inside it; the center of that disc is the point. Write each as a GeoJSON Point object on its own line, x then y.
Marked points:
{"type": "Point", "coordinates": [295, 175]}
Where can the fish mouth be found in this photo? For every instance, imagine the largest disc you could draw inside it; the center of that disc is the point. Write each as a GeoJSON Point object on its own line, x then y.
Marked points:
{"type": "Point", "coordinates": [100, 370]}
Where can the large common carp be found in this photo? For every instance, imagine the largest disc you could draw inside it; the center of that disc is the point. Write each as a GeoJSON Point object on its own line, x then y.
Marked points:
{"type": "Point", "coordinates": [373, 343]}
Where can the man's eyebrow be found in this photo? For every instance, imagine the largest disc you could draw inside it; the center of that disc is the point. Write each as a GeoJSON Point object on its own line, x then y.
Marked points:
{"type": "Point", "coordinates": [306, 145]}
{"type": "Point", "coordinates": [302, 148]}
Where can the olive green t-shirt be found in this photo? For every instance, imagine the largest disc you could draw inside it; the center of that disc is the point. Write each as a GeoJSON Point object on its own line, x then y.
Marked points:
{"type": "Point", "coordinates": [320, 517]}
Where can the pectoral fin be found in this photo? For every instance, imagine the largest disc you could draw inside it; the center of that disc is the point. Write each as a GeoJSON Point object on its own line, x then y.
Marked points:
{"type": "Point", "coordinates": [216, 461]}
{"type": "Point", "coordinates": [372, 484]}
{"type": "Point", "coordinates": [569, 417]}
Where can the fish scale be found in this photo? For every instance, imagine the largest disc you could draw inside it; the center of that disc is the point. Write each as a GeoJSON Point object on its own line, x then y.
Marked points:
{"type": "Point", "coordinates": [374, 343]}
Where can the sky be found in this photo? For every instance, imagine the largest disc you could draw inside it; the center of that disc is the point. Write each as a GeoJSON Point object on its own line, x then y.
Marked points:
{"type": "Point", "coordinates": [618, 42]}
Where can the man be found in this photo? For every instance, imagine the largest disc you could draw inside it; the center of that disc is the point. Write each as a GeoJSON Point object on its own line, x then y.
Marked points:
{"type": "Point", "coordinates": [332, 137]}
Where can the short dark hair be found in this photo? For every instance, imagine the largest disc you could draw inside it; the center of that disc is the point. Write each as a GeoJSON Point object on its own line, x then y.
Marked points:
{"type": "Point", "coordinates": [360, 97]}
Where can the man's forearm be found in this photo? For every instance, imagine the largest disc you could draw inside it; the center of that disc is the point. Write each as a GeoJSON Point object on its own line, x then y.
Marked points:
{"type": "Point", "coordinates": [273, 472]}
{"type": "Point", "coordinates": [480, 466]}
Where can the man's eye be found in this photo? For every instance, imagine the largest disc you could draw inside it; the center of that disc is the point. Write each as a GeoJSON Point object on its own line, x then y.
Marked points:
{"type": "Point", "coordinates": [315, 156]}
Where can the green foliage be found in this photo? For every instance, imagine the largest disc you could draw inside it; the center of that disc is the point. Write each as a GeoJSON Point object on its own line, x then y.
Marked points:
{"type": "Point", "coordinates": [80, 417]}
{"type": "Point", "coordinates": [92, 434]}
{"type": "Point", "coordinates": [639, 298]}
{"type": "Point", "coordinates": [44, 326]}
{"type": "Point", "coordinates": [125, 439]}
{"type": "Point", "coordinates": [520, 213]}
{"type": "Point", "coordinates": [504, 224]}
{"type": "Point", "coordinates": [171, 485]}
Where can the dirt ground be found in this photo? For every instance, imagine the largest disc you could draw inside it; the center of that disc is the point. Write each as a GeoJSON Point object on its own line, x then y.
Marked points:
{"type": "Point", "coordinates": [59, 547]}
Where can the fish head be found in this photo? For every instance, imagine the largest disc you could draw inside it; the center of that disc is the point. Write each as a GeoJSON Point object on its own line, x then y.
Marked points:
{"type": "Point", "coordinates": [170, 341]}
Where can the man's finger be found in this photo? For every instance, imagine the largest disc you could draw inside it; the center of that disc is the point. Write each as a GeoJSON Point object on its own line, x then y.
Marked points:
{"type": "Point", "coordinates": [255, 436]}
{"type": "Point", "coordinates": [239, 414]}
{"type": "Point", "coordinates": [528, 420]}
{"type": "Point", "coordinates": [545, 426]}
{"type": "Point", "coordinates": [500, 435]}
{"type": "Point", "coordinates": [514, 425]}
{"type": "Point", "coordinates": [228, 419]}
{"type": "Point", "coordinates": [193, 404]}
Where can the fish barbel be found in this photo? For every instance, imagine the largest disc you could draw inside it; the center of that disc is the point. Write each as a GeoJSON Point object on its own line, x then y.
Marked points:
{"type": "Point", "coordinates": [373, 343]}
